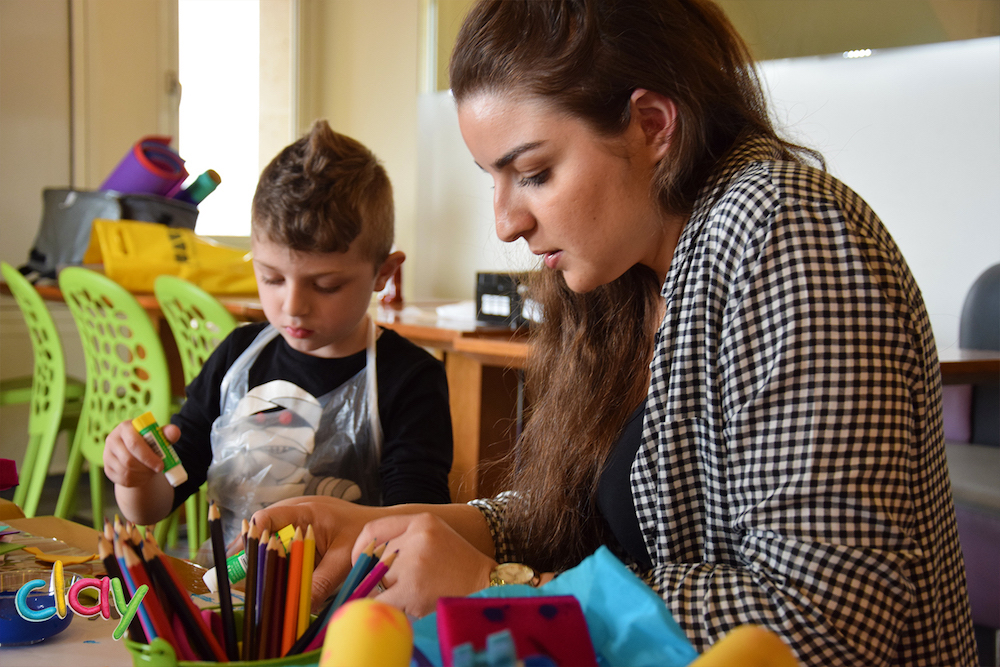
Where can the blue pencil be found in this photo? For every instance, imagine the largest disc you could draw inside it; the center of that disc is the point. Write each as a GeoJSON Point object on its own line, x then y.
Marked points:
{"type": "Point", "coordinates": [144, 620]}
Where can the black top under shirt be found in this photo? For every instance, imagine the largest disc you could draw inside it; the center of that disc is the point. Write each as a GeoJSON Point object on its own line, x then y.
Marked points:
{"type": "Point", "coordinates": [614, 490]}
{"type": "Point", "coordinates": [412, 401]}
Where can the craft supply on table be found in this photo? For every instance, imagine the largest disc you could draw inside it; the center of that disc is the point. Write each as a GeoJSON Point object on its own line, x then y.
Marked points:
{"type": "Point", "coordinates": [151, 432]}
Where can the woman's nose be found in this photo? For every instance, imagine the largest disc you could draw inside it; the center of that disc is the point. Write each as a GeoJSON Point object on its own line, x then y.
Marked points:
{"type": "Point", "coordinates": [512, 218]}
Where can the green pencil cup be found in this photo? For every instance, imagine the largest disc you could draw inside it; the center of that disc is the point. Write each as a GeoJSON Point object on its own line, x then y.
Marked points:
{"type": "Point", "coordinates": [161, 654]}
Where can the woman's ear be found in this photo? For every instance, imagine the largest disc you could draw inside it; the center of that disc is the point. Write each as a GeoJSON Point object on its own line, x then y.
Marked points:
{"type": "Point", "coordinates": [389, 266]}
{"type": "Point", "coordinates": [657, 117]}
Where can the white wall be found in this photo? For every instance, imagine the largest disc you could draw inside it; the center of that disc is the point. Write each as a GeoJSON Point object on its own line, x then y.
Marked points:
{"type": "Point", "coordinates": [915, 131]}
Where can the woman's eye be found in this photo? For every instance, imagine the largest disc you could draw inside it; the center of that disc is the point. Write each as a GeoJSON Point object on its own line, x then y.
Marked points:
{"type": "Point", "coordinates": [536, 179]}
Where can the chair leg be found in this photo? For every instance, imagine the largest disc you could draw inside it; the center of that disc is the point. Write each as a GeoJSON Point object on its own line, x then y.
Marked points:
{"type": "Point", "coordinates": [67, 493]}
{"type": "Point", "coordinates": [97, 496]}
{"type": "Point", "coordinates": [26, 475]}
{"type": "Point", "coordinates": [202, 514]}
{"type": "Point", "coordinates": [46, 444]}
{"type": "Point", "coordinates": [191, 506]}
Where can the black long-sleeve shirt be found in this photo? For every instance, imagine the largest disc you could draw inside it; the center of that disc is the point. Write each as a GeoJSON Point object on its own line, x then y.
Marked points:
{"type": "Point", "coordinates": [412, 399]}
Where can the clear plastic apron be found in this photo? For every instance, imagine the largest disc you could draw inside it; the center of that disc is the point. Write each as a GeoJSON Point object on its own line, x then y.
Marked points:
{"type": "Point", "coordinates": [277, 441]}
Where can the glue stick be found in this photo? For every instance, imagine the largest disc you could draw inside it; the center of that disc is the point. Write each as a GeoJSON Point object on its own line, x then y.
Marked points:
{"type": "Point", "coordinates": [150, 431]}
{"type": "Point", "coordinates": [236, 565]}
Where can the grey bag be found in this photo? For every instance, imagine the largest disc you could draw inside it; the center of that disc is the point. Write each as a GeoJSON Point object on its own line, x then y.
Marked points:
{"type": "Point", "coordinates": [67, 217]}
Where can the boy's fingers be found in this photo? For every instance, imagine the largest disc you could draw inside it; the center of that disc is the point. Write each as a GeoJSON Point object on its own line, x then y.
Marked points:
{"type": "Point", "coordinates": [139, 448]}
{"type": "Point", "coordinates": [172, 433]}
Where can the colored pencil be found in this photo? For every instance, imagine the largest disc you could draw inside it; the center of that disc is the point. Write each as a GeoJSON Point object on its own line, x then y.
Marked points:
{"type": "Point", "coordinates": [151, 602]}
{"type": "Point", "coordinates": [190, 621]}
{"type": "Point", "coordinates": [358, 570]}
{"type": "Point", "coordinates": [148, 631]}
{"type": "Point", "coordinates": [363, 589]}
{"type": "Point", "coordinates": [278, 607]}
{"type": "Point", "coordinates": [305, 593]}
{"type": "Point", "coordinates": [106, 552]}
{"type": "Point", "coordinates": [265, 539]}
{"type": "Point", "coordinates": [250, 597]}
{"type": "Point", "coordinates": [205, 642]}
{"type": "Point", "coordinates": [267, 602]}
{"type": "Point", "coordinates": [293, 589]}
{"type": "Point", "coordinates": [371, 580]}
{"type": "Point", "coordinates": [225, 595]}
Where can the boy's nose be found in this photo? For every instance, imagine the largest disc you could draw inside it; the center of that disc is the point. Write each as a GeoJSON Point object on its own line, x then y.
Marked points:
{"type": "Point", "coordinates": [296, 302]}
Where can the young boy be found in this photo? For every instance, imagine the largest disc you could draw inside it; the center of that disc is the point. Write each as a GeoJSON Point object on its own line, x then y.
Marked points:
{"type": "Point", "coordinates": [318, 400]}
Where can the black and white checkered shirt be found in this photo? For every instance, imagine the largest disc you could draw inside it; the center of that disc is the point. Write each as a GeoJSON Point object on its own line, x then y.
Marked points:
{"type": "Point", "coordinates": [792, 470]}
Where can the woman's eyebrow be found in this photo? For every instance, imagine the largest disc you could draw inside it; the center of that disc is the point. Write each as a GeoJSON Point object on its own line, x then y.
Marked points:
{"type": "Point", "coordinates": [512, 155]}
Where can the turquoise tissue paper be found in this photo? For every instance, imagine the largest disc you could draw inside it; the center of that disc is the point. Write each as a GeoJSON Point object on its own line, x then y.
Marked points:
{"type": "Point", "coordinates": [628, 623]}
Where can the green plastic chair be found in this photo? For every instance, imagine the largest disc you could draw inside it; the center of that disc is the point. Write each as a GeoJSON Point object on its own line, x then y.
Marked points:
{"type": "Point", "coordinates": [199, 322]}
{"type": "Point", "coordinates": [127, 375]}
{"type": "Point", "coordinates": [55, 399]}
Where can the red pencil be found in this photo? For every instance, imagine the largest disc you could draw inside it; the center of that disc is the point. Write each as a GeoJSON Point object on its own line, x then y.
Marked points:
{"type": "Point", "coordinates": [195, 613]}
{"type": "Point", "coordinates": [157, 615]}
{"type": "Point", "coordinates": [292, 588]}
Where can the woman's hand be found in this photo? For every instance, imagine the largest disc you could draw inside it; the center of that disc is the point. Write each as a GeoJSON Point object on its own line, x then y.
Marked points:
{"type": "Point", "coordinates": [336, 524]}
{"type": "Point", "coordinates": [433, 561]}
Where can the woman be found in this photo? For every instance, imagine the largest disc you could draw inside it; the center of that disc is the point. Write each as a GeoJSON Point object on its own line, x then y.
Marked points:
{"type": "Point", "coordinates": [735, 387]}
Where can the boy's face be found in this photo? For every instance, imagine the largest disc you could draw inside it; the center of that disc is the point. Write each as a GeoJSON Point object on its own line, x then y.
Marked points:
{"type": "Point", "coordinates": [318, 301]}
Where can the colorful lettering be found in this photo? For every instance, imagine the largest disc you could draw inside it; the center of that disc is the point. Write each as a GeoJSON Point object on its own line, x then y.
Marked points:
{"type": "Point", "coordinates": [126, 611]}
{"type": "Point", "coordinates": [109, 590]}
{"type": "Point", "coordinates": [74, 598]}
{"type": "Point", "coordinates": [21, 603]}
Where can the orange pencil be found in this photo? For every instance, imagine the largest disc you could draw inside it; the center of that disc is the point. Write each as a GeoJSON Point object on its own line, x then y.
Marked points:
{"type": "Point", "coordinates": [305, 592]}
{"type": "Point", "coordinates": [292, 591]}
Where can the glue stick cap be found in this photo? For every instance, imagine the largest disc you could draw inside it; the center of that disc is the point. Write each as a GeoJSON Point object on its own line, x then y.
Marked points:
{"type": "Point", "coordinates": [176, 475]}
{"type": "Point", "coordinates": [143, 421]}
{"type": "Point", "coordinates": [211, 580]}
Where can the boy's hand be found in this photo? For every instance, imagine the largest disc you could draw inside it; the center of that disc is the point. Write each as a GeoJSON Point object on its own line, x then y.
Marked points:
{"type": "Point", "coordinates": [129, 461]}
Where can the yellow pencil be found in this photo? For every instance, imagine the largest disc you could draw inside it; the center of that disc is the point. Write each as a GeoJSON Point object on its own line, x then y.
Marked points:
{"type": "Point", "coordinates": [305, 591]}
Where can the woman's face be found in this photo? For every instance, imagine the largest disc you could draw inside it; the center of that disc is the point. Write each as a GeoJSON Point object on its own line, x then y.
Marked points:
{"type": "Point", "coordinates": [581, 201]}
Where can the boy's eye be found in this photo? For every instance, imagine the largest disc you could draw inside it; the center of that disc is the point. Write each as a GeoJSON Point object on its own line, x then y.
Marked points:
{"type": "Point", "coordinates": [271, 280]}
{"type": "Point", "coordinates": [328, 289]}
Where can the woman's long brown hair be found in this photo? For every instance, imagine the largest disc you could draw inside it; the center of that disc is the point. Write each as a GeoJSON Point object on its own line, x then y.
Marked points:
{"type": "Point", "coordinates": [589, 368]}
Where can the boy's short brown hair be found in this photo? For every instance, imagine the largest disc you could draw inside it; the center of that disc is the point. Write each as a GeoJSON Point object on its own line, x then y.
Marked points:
{"type": "Point", "coordinates": [321, 193]}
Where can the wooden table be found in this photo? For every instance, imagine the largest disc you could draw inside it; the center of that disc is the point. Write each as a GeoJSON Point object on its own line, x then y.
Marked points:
{"type": "Point", "coordinates": [960, 366]}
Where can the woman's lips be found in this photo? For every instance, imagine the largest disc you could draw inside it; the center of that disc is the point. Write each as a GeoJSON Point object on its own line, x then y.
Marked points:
{"type": "Point", "coordinates": [295, 332]}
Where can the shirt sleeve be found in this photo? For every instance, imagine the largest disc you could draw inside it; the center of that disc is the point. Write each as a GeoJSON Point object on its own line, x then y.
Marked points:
{"type": "Point", "coordinates": [201, 409]}
{"type": "Point", "coordinates": [416, 424]}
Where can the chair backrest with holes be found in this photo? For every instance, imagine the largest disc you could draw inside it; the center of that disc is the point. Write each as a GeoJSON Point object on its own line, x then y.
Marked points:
{"type": "Point", "coordinates": [49, 378]}
{"type": "Point", "coordinates": [197, 319]}
{"type": "Point", "coordinates": [127, 372]}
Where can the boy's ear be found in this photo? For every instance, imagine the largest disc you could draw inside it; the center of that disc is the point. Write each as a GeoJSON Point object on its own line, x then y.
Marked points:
{"type": "Point", "coordinates": [389, 266]}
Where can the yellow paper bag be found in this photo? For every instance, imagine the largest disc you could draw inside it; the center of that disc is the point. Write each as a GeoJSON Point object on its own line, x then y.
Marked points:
{"type": "Point", "coordinates": [135, 253]}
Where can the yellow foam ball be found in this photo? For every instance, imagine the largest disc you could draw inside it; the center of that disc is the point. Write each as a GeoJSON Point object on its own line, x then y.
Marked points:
{"type": "Point", "coordinates": [364, 632]}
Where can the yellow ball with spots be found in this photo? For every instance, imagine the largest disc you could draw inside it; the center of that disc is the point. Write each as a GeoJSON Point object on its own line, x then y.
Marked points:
{"type": "Point", "coordinates": [365, 632]}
